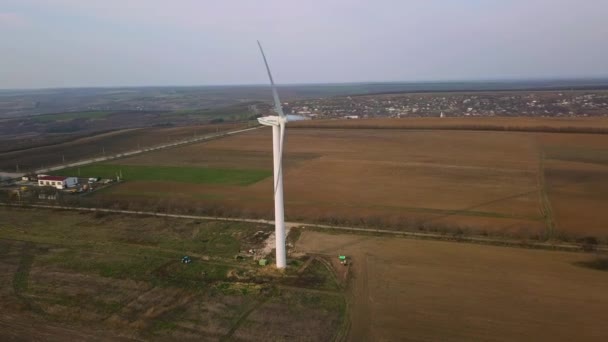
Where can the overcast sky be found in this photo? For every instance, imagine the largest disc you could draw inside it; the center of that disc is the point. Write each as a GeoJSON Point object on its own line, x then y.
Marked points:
{"type": "Point", "coordinates": [65, 43]}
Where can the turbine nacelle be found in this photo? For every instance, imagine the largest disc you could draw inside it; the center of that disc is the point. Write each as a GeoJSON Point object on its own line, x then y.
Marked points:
{"type": "Point", "coordinates": [271, 120]}
{"type": "Point", "coordinates": [275, 120]}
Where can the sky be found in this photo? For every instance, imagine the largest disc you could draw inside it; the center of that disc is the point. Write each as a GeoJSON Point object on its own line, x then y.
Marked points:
{"type": "Point", "coordinates": [79, 43]}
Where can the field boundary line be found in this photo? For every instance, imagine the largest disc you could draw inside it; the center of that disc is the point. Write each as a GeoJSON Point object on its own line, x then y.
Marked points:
{"type": "Point", "coordinates": [415, 235]}
{"type": "Point", "coordinates": [242, 318]}
{"type": "Point", "coordinates": [21, 277]}
{"type": "Point", "coordinates": [545, 204]}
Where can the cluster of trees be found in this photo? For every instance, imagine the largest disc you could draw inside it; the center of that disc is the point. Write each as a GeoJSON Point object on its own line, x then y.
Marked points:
{"type": "Point", "coordinates": [346, 124]}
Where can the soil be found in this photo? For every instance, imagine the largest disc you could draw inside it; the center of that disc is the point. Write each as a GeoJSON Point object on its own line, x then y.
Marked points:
{"type": "Point", "coordinates": [411, 179]}
{"type": "Point", "coordinates": [479, 182]}
{"type": "Point", "coordinates": [406, 289]}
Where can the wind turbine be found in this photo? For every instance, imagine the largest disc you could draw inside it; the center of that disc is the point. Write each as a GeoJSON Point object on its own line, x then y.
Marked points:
{"type": "Point", "coordinates": [278, 137]}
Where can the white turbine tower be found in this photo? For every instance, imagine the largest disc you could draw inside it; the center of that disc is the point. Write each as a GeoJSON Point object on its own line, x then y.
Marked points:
{"type": "Point", "coordinates": [278, 135]}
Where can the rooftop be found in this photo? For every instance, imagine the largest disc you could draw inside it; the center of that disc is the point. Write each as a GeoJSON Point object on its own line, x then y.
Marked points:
{"type": "Point", "coordinates": [52, 178]}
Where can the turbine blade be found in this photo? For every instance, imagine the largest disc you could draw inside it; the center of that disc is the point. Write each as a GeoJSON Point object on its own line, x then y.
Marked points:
{"type": "Point", "coordinates": [275, 95]}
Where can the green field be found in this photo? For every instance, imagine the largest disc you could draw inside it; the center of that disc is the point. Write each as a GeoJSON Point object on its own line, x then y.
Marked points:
{"type": "Point", "coordinates": [236, 112]}
{"type": "Point", "coordinates": [195, 175]}
{"type": "Point", "coordinates": [89, 272]}
{"type": "Point", "coordinates": [70, 116]}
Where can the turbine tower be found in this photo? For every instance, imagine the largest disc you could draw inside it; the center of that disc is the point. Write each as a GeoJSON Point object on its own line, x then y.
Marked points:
{"type": "Point", "coordinates": [278, 136]}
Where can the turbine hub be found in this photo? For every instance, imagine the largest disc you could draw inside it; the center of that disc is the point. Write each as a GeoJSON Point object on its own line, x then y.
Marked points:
{"type": "Point", "coordinates": [271, 120]}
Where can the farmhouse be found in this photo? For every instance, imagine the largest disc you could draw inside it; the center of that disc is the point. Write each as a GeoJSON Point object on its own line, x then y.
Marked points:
{"type": "Point", "coordinates": [58, 182]}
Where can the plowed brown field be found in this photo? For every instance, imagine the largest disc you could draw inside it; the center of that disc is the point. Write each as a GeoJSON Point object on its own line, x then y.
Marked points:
{"type": "Point", "coordinates": [414, 290]}
{"type": "Point", "coordinates": [432, 180]}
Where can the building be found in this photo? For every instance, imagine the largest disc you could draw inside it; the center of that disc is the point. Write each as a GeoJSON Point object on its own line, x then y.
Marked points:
{"type": "Point", "coordinates": [29, 177]}
{"type": "Point", "coordinates": [58, 182]}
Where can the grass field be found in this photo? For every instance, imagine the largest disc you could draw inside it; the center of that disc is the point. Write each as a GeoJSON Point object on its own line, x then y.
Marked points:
{"type": "Point", "coordinates": [439, 291]}
{"type": "Point", "coordinates": [86, 276]}
{"type": "Point", "coordinates": [193, 175]}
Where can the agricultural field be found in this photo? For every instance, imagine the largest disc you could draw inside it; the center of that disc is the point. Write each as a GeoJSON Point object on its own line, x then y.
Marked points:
{"type": "Point", "coordinates": [576, 174]}
{"type": "Point", "coordinates": [97, 145]}
{"type": "Point", "coordinates": [396, 178]}
{"type": "Point", "coordinates": [71, 116]}
{"type": "Point", "coordinates": [421, 290]}
{"type": "Point", "coordinates": [94, 276]}
{"type": "Point", "coordinates": [525, 124]}
{"type": "Point", "coordinates": [528, 185]}
{"type": "Point", "coordinates": [192, 175]}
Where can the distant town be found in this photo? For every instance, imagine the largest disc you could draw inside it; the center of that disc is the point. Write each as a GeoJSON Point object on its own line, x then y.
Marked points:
{"type": "Point", "coordinates": [544, 104]}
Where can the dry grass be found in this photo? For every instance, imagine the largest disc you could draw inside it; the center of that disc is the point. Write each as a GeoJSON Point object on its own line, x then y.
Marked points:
{"type": "Point", "coordinates": [67, 275]}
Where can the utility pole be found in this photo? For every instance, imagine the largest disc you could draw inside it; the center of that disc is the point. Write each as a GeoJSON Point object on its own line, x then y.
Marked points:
{"type": "Point", "coordinates": [17, 167]}
{"type": "Point", "coordinates": [63, 158]}
{"type": "Point", "coordinates": [103, 150]}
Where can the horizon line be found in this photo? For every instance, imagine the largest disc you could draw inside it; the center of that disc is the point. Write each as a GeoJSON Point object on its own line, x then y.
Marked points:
{"type": "Point", "coordinates": [488, 80]}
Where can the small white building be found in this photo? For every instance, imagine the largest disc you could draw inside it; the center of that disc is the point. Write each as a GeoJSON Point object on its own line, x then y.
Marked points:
{"type": "Point", "coordinates": [58, 182]}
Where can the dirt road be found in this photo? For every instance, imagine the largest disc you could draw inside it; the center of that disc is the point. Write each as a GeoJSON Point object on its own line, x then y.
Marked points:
{"type": "Point", "coordinates": [148, 149]}
{"type": "Point", "coordinates": [551, 245]}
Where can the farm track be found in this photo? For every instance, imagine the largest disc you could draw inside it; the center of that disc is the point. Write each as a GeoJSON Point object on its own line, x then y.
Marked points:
{"type": "Point", "coordinates": [144, 150]}
{"type": "Point", "coordinates": [78, 139]}
{"type": "Point", "coordinates": [414, 235]}
{"type": "Point", "coordinates": [28, 259]}
{"type": "Point", "coordinates": [242, 318]}
{"type": "Point", "coordinates": [545, 204]}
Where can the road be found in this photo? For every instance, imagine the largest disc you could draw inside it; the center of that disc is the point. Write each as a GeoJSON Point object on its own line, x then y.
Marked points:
{"type": "Point", "coordinates": [144, 150]}
{"type": "Point", "coordinates": [550, 245]}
